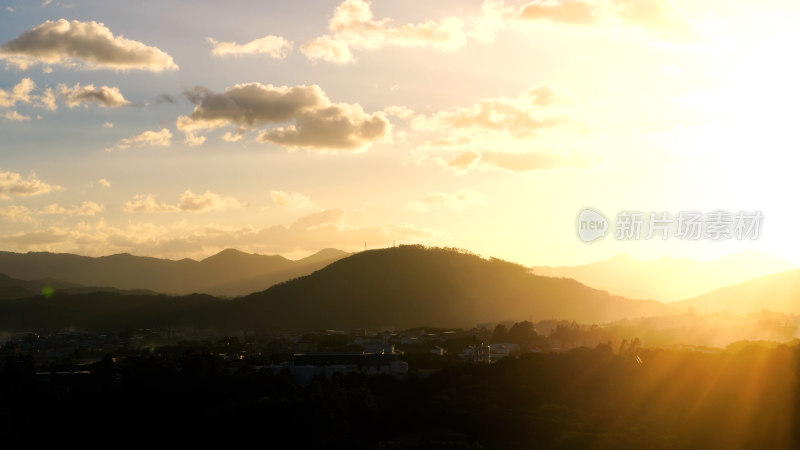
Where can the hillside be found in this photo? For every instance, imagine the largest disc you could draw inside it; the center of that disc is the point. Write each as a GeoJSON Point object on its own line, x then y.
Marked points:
{"type": "Point", "coordinates": [399, 287]}
{"type": "Point", "coordinates": [412, 286]}
{"type": "Point", "coordinates": [778, 292]}
{"type": "Point", "coordinates": [12, 288]}
{"type": "Point", "coordinates": [228, 273]}
{"type": "Point", "coordinates": [656, 279]}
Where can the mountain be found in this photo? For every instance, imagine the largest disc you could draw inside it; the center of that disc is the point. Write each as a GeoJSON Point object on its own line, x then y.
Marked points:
{"type": "Point", "coordinates": [228, 273]}
{"type": "Point", "coordinates": [411, 286]}
{"type": "Point", "coordinates": [11, 288]}
{"type": "Point", "coordinates": [399, 287]}
{"type": "Point", "coordinates": [777, 292]}
{"type": "Point", "coordinates": [669, 279]}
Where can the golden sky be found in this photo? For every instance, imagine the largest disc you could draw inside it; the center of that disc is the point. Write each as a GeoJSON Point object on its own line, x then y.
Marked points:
{"type": "Point", "coordinates": [178, 129]}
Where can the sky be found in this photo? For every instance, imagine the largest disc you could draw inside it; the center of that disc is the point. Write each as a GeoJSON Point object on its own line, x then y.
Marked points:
{"type": "Point", "coordinates": [178, 129]}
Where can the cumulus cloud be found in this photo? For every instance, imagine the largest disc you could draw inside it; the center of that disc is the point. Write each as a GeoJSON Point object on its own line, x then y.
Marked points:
{"type": "Point", "coordinates": [290, 200]}
{"type": "Point", "coordinates": [322, 229]}
{"type": "Point", "coordinates": [161, 138]}
{"type": "Point", "coordinates": [441, 200]}
{"type": "Point", "coordinates": [517, 161]}
{"type": "Point", "coordinates": [570, 11]}
{"type": "Point", "coordinates": [658, 15]}
{"type": "Point", "coordinates": [15, 116]}
{"type": "Point", "coordinates": [107, 97]}
{"type": "Point", "coordinates": [103, 182]}
{"type": "Point", "coordinates": [326, 48]}
{"type": "Point", "coordinates": [353, 25]}
{"type": "Point", "coordinates": [84, 209]}
{"type": "Point", "coordinates": [274, 46]}
{"type": "Point", "coordinates": [20, 93]}
{"type": "Point", "coordinates": [313, 121]}
{"type": "Point", "coordinates": [529, 113]}
{"type": "Point", "coordinates": [16, 213]}
{"type": "Point", "coordinates": [206, 202]}
{"type": "Point", "coordinates": [14, 185]}
{"type": "Point", "coordinates": [142, 203]}
{"type": "Point", "coordinates": [88, 44]}
{"type": "Point", "coordinates": [189, 201]}
{"type": "Point", "coordinates": [26, 92]}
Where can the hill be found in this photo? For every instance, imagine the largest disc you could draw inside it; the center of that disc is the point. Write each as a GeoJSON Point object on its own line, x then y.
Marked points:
{"type": "Point", "coordinates": [12, 288]}
{"type": "Point", "coordinates": [656, 279]}
{"type": "Point", "coordinates": [229, 273]}
{"type": "Point", "coordinates": [411, 286]}
{"type": "Point", "coordinates": [777, 292]}
{"type": "Point", "coordinates": [399, 287]}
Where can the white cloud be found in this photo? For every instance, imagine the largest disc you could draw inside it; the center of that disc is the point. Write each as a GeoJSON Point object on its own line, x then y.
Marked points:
{"type": "Point", "coordinates": [328, 49]}
{"type": "Point", "coordinates": [313, 121]}
{"type": "Point", "coordinates": [13, 185]}
{"type": "Point", "coordinates": [353, 25]}
{"type": "Point", "coordinates": [107, 97]}
{"type": "Point", "coordinates": [108, 125]}
{"type": "Point", "coordinates": [441, 200]}
{"type": "Point", "coordinates": [208, 201]}
{"type": "Point", "coordinates": [274, 46]}
{"type": "Point", "coordinates": [85, 209]}
{"type": "Point", "coordinates": [526, 115]}
{"type": "Point", "coordinates": [147, 204]}
{"type": "Point", "coordinates": [103, 182]}
{"type": "Point", "coordinates": [20, 93]}
{"type": "Point", "coordinates": [15, 116]}
{"type": "Point", "coordinates": [291, 200]}
{"type": "Point", "coordinates": [88, 44]}
{"type": "Point", "coordinates": [16, 213]}
{"type": "Point", "coordinates": [161, 138]}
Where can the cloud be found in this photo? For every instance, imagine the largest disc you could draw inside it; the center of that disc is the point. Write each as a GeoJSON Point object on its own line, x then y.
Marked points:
{"type": "Point", "coordinates": [161, 138]}
{"type": "Point", "coordinates": [313, 121]}
{"type": "Point", "coordinates": [15, 116]}
{"type": "Point", "coordinates": [274, 46]}
{"type": "Point", "coordinates": [328, 49]}
{"type": "Point", "coordinates": [518, 161]}
{"type": "Point", "coordinates": [290, 200]}
{"type": "Point", "coordinates": [107, 97]}
{"type": "Point", "coordinates": [657, 15]}
{"type": "Point", "coordinates": [87, 44]}
{"type": "Point", "coordinates": [108, 125]}
{"type": "Point", "coordinates": [526, 115]}
{"type": "Point", "coordinates": [103, 182]}
{"type": "Point", "coordinates": [353, 25]}
{"type": "Point", "coordinates": [23, 93]}
{"type": "Point", "coordinates": [440, 200]}
{"type": "Point", "coordinates": [85, 209]}
{"type": "Point", "coordinates": [16, 213]}
{"type": "Point", "coordinates": [336, 127]}
{"type": "Point", "coordinates": [208, 201]}
{"type": "Point", "coordinates": [142, 203]}
{"type": "Point", "coordinates": [13, 185]}
{"type": "Point", "coordinates": [570, 11]}
{"type": "Point", "coordinates": [328, 228]}
{"type": "Point", "coordinates": [20, 93]}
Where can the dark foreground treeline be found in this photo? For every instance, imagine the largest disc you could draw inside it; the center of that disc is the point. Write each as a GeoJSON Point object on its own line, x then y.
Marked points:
{"type": "Point", "coordinates": [584, 398]}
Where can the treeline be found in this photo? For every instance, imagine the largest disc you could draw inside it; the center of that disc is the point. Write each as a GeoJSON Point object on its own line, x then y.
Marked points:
{"type": "Point", "coordinates": [746, 397]}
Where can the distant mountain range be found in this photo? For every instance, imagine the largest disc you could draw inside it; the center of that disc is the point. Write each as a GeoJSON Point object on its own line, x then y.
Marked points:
{"type": "Point", "coordinates": [399, 287]}
{"type": "Point", "coordinates": [12, 288]}
{"type": "Point", "coordinates": [668, 279]}
{"type": "Point", "coordinates": [776, 292]}
{"type": "Point", "coordinates": [229, 273]}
